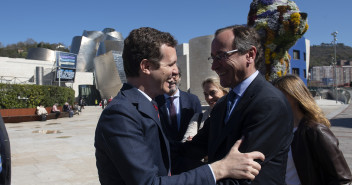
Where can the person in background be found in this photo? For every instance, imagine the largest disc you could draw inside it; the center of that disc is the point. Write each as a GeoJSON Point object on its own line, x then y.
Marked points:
{"type": "Point", "coordinates": [110, 99]}
{"type": "Point", "coordinates": [41, 111]}
{"type": "Point", "coordinates": [81, 103]}
{"type": "Point", "coordinates": [76, 108]}
{"type": "Point", "coordinates": [212, 91]}
{"type": "Point", "coordinates": [314, 156]}
{"type": "Point", "coordinates": [176, 109]}
{"type": "Point", "coordinates": [56, 110]}
{"type": "Point", "coordinates": [68, 108]}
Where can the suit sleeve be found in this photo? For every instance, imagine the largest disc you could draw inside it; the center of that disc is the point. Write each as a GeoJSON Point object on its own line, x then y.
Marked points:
{"type": "Point", "coordinates": [122, 134]}
{"type": "Point", "coordinates": [329, 156]}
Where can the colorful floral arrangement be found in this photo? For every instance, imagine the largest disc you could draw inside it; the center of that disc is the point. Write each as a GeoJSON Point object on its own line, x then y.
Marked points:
{"type": "Point", "coordinates": [280, 24]}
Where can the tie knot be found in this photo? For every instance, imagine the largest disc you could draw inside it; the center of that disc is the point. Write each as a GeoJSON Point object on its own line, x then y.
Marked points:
{"type": "Point", "coordinates": [231, 96]}
{"type": "Point", "coordinates": [172, 98]}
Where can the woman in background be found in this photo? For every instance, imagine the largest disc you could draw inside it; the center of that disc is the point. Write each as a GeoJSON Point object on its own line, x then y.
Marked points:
{"type": "Point", "coordinates": [314, 156]}
{"type": "Point", "coordinates": [213, 91]}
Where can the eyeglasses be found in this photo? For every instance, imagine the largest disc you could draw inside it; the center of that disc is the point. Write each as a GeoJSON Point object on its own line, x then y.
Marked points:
{"type": "Point", "coordinates": [222, 56]}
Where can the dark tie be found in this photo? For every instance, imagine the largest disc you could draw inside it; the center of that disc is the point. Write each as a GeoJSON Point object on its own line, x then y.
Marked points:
{"type": "Point", "coordinates": [172, 112]}
{"type": "Point", "coordinates": [230, 101]}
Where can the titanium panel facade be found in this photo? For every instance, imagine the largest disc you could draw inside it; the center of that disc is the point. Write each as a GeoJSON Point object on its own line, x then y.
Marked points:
{"type": "Point", "coordinates": [41, 54]}
{"type": "Point", "coordinates": [108, 74]}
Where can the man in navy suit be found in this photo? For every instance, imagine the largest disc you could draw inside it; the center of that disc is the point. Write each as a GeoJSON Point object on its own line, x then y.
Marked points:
{"type": "Point", "coordinates": [176, 108]}
{"type": "Point", "coordinates": [183, 104]}
{"type": "Point", "coordinates": [131, 147]}
{"type": "Point", "coordinates": [253, 109]}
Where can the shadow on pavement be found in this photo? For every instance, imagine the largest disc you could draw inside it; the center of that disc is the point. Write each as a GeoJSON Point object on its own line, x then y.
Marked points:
{"type": "Point", "coordinates": [341, 122]}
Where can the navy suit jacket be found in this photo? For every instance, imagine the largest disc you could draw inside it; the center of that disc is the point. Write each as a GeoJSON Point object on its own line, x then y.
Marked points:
{"type": "Point", "coordinates": [189, 105]}
{"type": "Point", "coordinates": [264, 117]}
{"type": "Point", "coordinates": [131, 147]}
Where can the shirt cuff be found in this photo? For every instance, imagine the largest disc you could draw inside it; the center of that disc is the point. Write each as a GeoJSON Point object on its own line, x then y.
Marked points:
{"type": "Point", "coordinates": [212, 173]}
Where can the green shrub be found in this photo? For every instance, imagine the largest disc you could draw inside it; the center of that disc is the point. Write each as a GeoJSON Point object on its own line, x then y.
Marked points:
{"type": "Point", "coordinates": [29, 96]}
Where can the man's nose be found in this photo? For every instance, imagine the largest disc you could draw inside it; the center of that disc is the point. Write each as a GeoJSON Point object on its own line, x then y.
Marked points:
{"type": "Point", "coordinates": [214, 65]}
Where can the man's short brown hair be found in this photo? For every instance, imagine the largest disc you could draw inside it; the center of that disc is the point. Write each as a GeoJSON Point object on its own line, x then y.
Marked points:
{"type": "Point", "coordinates": [144, 43]}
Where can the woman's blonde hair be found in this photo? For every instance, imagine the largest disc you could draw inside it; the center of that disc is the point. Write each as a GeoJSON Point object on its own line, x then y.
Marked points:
{"type": "Point", "coordinates": [293, 86]}
{"type": "Point", "coordinates": [216, 82]}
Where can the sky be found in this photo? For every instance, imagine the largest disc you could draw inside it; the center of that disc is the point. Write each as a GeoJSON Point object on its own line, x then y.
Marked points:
{"type": "Point", "coordinates": [56, 21]}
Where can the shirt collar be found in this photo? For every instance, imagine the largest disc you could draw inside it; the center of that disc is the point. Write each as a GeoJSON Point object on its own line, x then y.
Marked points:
{"type": "Point", "coordinates": [150, 99]}
{"type": "Point", "coordinates": [241, 88]}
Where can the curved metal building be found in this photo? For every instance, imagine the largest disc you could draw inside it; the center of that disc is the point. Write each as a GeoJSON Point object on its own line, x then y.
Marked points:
{"type": "Point", "coordinates": [86, 49]}
{"type": "Point", "coordinates": [41, 54]}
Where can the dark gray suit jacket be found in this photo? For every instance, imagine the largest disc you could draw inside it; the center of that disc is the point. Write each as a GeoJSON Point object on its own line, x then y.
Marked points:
{"type": "Point", "coordinates": [264, 117]}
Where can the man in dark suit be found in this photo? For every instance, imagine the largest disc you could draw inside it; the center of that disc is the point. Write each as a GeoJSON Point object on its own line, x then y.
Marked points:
{"type": "Point", "coordinates": [176, 109]}
{"type": "Point", "coordinates": [253, 109]}
{"type": "Point", "coordinates": [131, 147]}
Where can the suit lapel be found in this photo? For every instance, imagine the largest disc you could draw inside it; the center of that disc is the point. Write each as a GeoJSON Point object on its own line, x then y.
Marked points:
{"type": "Point", "coordinates": [144, 106]}
{"type": "Point", "coordinates": [223, 131]}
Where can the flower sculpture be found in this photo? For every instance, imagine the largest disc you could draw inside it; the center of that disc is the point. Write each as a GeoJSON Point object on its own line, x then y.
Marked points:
{"type": "Point", "coordinates": [280, 24]}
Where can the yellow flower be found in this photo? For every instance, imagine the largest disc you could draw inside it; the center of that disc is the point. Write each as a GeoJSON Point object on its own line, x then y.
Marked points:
{"type": "Point", "coordinates": [295, 18]}
{"type": "Point", "coordinates": [279, 73]}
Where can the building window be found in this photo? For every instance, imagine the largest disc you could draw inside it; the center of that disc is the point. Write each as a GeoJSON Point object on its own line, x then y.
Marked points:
{"type": "Point", "coordinates": [295, 71]}
{"type": "Point", "coordinates": [296, 54]}
{"type": "Point", "coordinates": [304, 56]}
{"type": "Point", "coordinates": [304, 73]}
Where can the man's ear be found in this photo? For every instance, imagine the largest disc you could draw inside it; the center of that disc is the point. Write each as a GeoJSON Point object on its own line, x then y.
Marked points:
{"type": "Point", "coordinates": [252, 53]}
{"type": "Point", "coordinates": [145, 66]}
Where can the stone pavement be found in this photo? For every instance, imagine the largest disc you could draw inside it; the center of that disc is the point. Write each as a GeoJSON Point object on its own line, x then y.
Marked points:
{"type": "Point", "coordinates": [57, 151]}
{"type": "Point", "coordinates": [62, 151]}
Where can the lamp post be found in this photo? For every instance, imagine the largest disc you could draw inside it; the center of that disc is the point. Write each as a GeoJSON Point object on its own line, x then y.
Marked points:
{"type": "Point", "coordinates": [334, 34]}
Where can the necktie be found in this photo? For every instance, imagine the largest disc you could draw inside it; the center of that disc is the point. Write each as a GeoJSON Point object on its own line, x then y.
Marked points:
{"type": "Point", "coordinates": [172, 113]}
{"type": "Point", "coordinates": [230, 101]}
{"type": "Point", "coordinates": [156, 107]}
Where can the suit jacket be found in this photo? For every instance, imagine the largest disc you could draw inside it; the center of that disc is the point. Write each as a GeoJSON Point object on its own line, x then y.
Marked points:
{"type": "Point", "coordinates": [131, 147]}
{"type": "Point", "coordinates": [5, 149]}
{"type": "Point", "coordinates": [264, 117]}
{"type": "Point", "coordinates": [189, 105]}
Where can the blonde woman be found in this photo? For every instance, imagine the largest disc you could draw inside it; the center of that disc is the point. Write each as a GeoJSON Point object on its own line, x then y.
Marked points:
{"type": "Point", "coordinates": [314, 156]}
{"type": "Point", "coordinates": [213, 91]}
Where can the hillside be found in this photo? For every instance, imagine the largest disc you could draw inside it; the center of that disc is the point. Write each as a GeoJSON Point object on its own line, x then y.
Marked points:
{"type": "Point", "coordinates": [321, 55]}
{"type": "Point", "coordinates": [20, 49]}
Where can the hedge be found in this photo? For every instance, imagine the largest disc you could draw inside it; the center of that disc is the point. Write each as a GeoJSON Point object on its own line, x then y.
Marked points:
{"type": "Point", "coordinates": [29, 96]}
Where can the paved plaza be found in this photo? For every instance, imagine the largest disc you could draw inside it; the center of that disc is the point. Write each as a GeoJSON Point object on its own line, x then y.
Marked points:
{"type": "Point", "coordinates": [61, 151]}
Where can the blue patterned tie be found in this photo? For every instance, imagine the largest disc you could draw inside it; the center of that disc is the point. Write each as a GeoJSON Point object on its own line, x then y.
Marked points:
{"type": "Point", "coordinates": [230, 101]}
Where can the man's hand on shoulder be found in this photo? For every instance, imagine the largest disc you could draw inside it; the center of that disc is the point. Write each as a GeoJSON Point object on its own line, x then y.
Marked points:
{"type": "Point", "coordinates": [237, 165]}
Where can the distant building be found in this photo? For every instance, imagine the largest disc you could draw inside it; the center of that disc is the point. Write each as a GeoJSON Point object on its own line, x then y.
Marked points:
{"type": "Point", "coordinates": [324, 76]}
{"type": "Point", "coordinates": [300, 56]}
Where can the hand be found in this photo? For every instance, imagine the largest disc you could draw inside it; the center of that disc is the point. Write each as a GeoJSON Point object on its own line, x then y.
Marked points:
{"type": "Point", "coordinates": [189, 138]}
{"type": "Point", "coordinates": [237, 165]}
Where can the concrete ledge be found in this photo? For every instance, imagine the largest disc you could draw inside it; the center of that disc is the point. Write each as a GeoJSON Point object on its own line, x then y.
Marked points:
{"type": "Point", "coordinates": [28, 114]}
